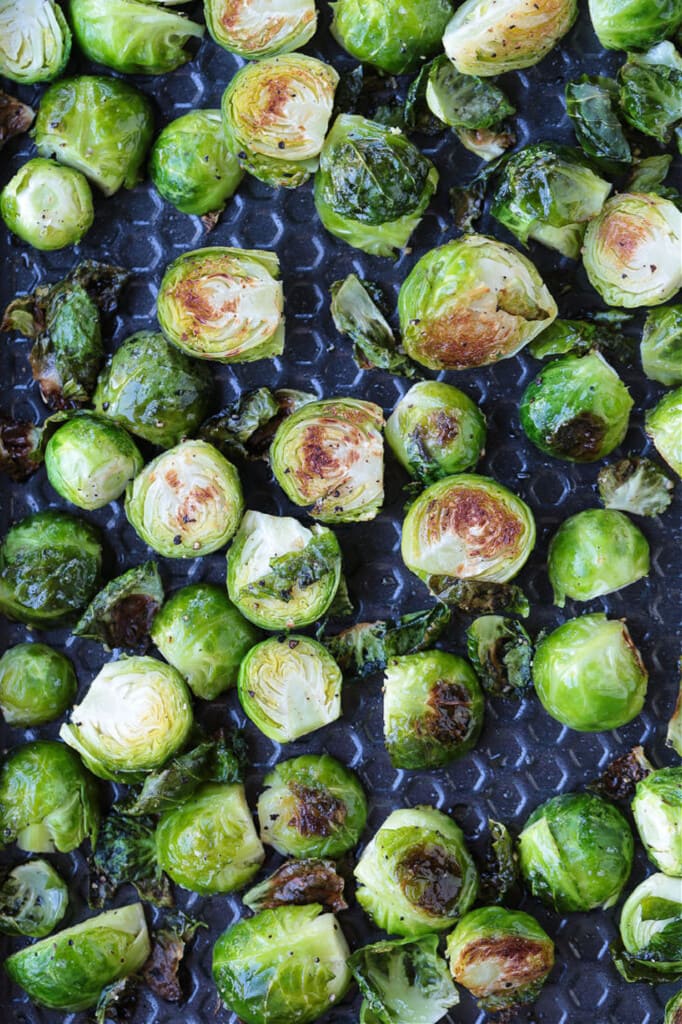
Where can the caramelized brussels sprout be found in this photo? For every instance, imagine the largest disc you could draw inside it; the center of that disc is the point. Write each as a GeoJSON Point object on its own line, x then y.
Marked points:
{"type": "Point", "coordinates": [90, 461]}
{"type": "Point", "coordinates": [661, 348]}
{"type": "Point", "coordinates": [47, 205]}
{"type": "Point", "coordinates": [664, 427]}
{"type": "Point", "coordinates": [35, 41]}
{"type": "Point", "coordinates": [635, 485]}
{"type": "Point", "coordinates": [592, 105]}
{"type": "Point", "coordinates": [391, 35]}
{"type": "Point", "coordinates": [501, 652]}
{"type": "Point", "coordinates": [122, 613]}
{"type": "Point", "coordinates": [33, 900]}
{"type": "Point", "coordinates": [37, 684]}
{"type": "Point", "coordinates": [297, 883]}
{"type": "Point", "coordinates": [657, 810]}
{"type": "Point", "coordinates": [634, 24]}
{"type": "Point", "coordinates": [650, 947]}
{"type": "Point", "coordinates": [651, 90]}
{"type": "Point", "coordinates": [259, 28]}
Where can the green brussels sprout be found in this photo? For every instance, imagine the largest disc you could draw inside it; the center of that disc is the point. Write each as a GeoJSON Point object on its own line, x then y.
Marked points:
{"type": "Point", "coordinates": [122, 613]}
{"type": "Point", "coordinates": [209, 844]}
{"type": "Point", "coordinates": [367, 647]}
{"type": "Point", "coordinates": [503, 957]}
{"type": "Point", "coordinates": [187, 502]}
{"type": "Point", "coordinates": [49, 568]}
{"type": "Point", "coordinates": [661, 347]}
{"type": "Point", "coordinates": [673, 1010]}
{"type": "Point", "coordinates": [15, 117]}
{"type": "Point", "coordinates": [651, 91]}
{"type": "Point", "coordinates": [47, 205]}
{"type": "Point", "coordinates": [472, 302]}
{"type": "Point", "coordinates": [37, 684]}
{"type": "Point", "coordinates": [133, 36]}
{"type": "Point", "coordinates": [192, 167]}
{"type": "Point", "coordinates": [312, 806]}
{"type": "Point", "coordinates": [48, 801]}
{"type": "Point", "coordinates": [391, 35]}
{"type": "Point", "coordinates": [275, 116]}
{"type": "Point", "coordinates": [201, 633]}
{"type": "Point", "coordinates": [634, 24]}
{"type": "Point", "coordinates": [486, 37]}
{"type": "Point", "coordinates": [373, 185]}
{"type": "Point", "coordinates": [223, 304]}
{"type": "Point", "coordinates": [416, 875]}
{"type": "Point", "coordinates": [657, 810]}
{"type": "Point", "coordinates": [33, 900]}
{"type": "Point", "coordinates": [635, 485]}
{"type": "Point", "coordinates": [35, 41]}
{"type": "Point", "coordinates": [664, 427]}
{"type": "Point", "coordinates": [69, 970]}
{"type": "Point", "coordinates": [289, 686]}
{"type": "Point", "coordinates": [90, 461]}
{"type": "Point", "coordinates": [436, 430]}
{"type": "Point", "coordinates": [135, 716]}
{"type": "Point", "coordinates": [576, 409]}
{"type": "Point", "coordinates": [153, 390]}
{"type": "Point", "coordinates": [632, 248]}
{"type": "Point", "coordinates": [257, 28]}
{"type": "Point", "coordinates": [651, 932]}
{"type": "Point", "coordinates": [97, 125]}
{"type": "Point", "coordinates": [299, 882]}
{"type": "Point", "coordinates": [463, 101]}
{"type": "Point", "coordinates": [280, 574]}
{"type": "Point", "coordinates": [330, 455]}
{"type": "Point", "coordinates": [576, 852]}
{"type": "Point", "coordinates": [286, 965]}
{"type": "Point", "coordinates": [501, 652]}
{"type": "Point", "coordinates": [592, 105]}
{"type": "Point", "coordinates": [433, 709]}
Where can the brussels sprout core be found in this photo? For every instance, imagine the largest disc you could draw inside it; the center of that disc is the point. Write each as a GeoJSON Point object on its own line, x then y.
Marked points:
{"type": "Point", "coordinates": [261, 28]}
{"type": "Point", "coordinates": [657, 809]}
{"type": "Point", "coordinates": [37, 684]}
{"type": "Point", "coordinates": [46, 205]}
{"type": "Point", "coordinates": [35, 40]}
{"type": "Point", "coordinates": [90, 461]}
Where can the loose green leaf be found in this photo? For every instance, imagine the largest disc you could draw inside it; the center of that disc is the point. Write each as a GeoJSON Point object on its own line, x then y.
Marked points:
{"type": "Point", "coordinates": [501, 652]}
{"type": "Point", "coordinates": [464, 101]}
{"type": "Point", "coordinates": [121, 615]}
{"type": "Point", "coordinates": [479, 596]}
{"type": "Point", "coordinates": [636, 485]}
{"type": "Point", "coordinates": [298, 569]}
{"type": "Point", "coordinates": [116, 1004]}
{"type": "Point", "coordinates": [651, 90]}
{"type": "Point", "coordinates": [125, 851]}
{"type": "Point", "coordinates": [501, 872]}
{"type": "Point", "coordinates": [245, 428]}
{"type": "Point", "coordinates": [578, 337]}
{"type": "Point", "coordinates": [592, 105]}
{"type": "Point", "coordinates": [298, 882]}
{"type": "Point", "coordinates": [674, 735]}
{"type": "Point", "coordinates": [356, 314]}
{"type": "Point", "coordinates": [367, 647]}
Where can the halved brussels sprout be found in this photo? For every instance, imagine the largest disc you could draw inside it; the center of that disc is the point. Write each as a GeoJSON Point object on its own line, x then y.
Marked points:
{"type": "Point", "coordinates": [69, 970]}
{"type": "Point", "coordinates": [632, 250]}
{"type": "Point", "coordinates": [223, 304]}
{"type": "Point", "coordinates": [651, 90]}
{"type": "Point", "coordinates": [433, 709]}
{"type": "Point", "coordinates": [634, 24]}
{"type": "Point", "coordinates": [664, 427]}
{"type": "Point", "coordinates": [286, 965]}
{"type": "Point", "coordinates": [48, 801]}
{"type": "Point", "coordinates": [275, 116]}
{"type": "Point", "coordinates": [90, 461]}
{"type": "Point", "coordinates": [390, 34]}
{"type": "Point", "coordinates": [471, 302]}
{"type": "Point", "coordinates": [589, 675]}
{"type": "Point", "coordinates": [416, 875]}
{"type": "Point", "coordinates": [501, 652]}
{"type": "Point", "coordinates": [592, 105]}
{"type": "Point", "coordinates": [122, 613]}
{"type": "Point", "coordinates": [330, 454]}
{"type": "Point", "coordinates": [136, 714]}
{"type": "Point", "coordinates": [312, 806]}
{"type": "Point", "coordinates": [187, 502]}
{"type": "Point", "coordinates": [635, 485]}
{"type": "Point", "coordinates": [290, 686]}
{"type": "Point", "coordinates": [661, 348]}
{"type": "Point", "coordinates": [47, 205]}
{"type": "Point", "coordinates": [657, 810]}
{"type": "Point", "coordinates": [259, 28]}
{"type": "Point", "coordinates": [35, 41]}
{"type": "Point", "coordinates": [37, 684]}
{"type": "Point", "coordinates": [33, 900]}
{"type": "Point", "coordinates": [651, 932]}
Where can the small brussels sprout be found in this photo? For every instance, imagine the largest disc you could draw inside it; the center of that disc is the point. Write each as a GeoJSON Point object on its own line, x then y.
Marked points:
{"type": "Point", "coordinates": [37, 684]}
{"type": "Point", "coordinates": [286, 965]}
{"type": "Point", "coordinates": [651, 90]}
{"type": "Point", "coordinates": [592, 105]}
{"type": "Point", "coordinates": [275, 116]}
{"type": "Point", "coordinates": [631, 251]}
{"type": "Point", "coordinates": [136, 714]}
{"type": "Point", "coordinates": [47, 205]}
{"type": "Point", "coordinates": [436, 430]}
{"type": "Point", "coordinates": [187, 502]}
{"type": "Point", "coordinates": [258, 28]}
{"type": "Point", "coordinates": [673, 1010]}
{"type": "Point", "coordinates": [33, 900]}
{"type": "Point", "coordinates": [391, 35]}
{"type": "Point", "coordinates": [416, 875]}
{"type": "Point", "coordinates": [472, 302]}
{"type": "Point", "coordinates": [651, 932]}
{"type": "Point", "coordinates": [153, 390]}
{"type": "Point", "coordinates": [664, 427]}
{"type": "Point", "coordinates": [48, 801]}
{"type": "Point", "coordinates": [35, 41]}
{"type": "Point", "coordinates": [69, 970]}
{"type": "Point", "coordinates": [576, 409]}
{"type": "Point", "coordinates": [289, 686]}
{"type": "Point", "coordinates": [501, 652]}
{"type": "Point", "coordinates": [90, 461]}
{"type": "Point", "coordinates": [661, 348]}
{"type": "Point", "coordinates": [98, 125]}
{"type": "Point", "coordinates": [635, 485]}
{"type": "Point", "coordinates": [367, 647]}
{"type": "Point", "coordinates": [49, 568]}
{"type": "Point", "coordinates": [330, 454]}
{"type": "Point", "coordinates": [122, 613]}
{"type": "Point", "coordinates": [312, 806]}
{"type": "Point", "coordinates": [223, 304]}
{"type": "Point", "coordinates": [657, 810]}
{"type": "Point", "coordinates": [433, 709]}
{"type": "Point", "coordinates": [634, 24]}
{"type": "Point", "coordinates": [15, 117]}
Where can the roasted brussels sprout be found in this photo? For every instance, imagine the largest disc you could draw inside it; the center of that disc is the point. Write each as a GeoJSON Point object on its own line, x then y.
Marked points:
{"type": "Point", "coordinates": [259, 28]}
{"type": "Point", "coordinates": [37, 684]}
{"type": "Point", "coordinates": [289, 686]}
{"type": "Point", "coordinates": [592, 105]}
{"type": "Point", "coordinates": [33, 900]}
{"type": "Point", "coordinates": [391, 35]}
{"type": "Point", "coordinates": [312, 806]}
{"type": "Point", "coordinates": [47, 205]}
{"type": "Point", "coordinates": [661, 347]}
{"type": "Point", "coordinates": [635, 485]}
{"type": "Point", "coordinates": [48, 801]}
{"type": "Point", "coordinates": [651, 932]}
{"type": "Point", "coordinates": [122, 613]}
{"type": "Point", "coordinates": [223, 304]}
{"type": "Point", "coordinates": [651, 90]}
{"type": "Point", "coordinates": [577, 408]}
{"type": "Point", "coordinates": [589, 675]}
{"type": "Point", "coordinates": [501, 652]}
{"type": "Point", "coordinates": [90, 461]}
{"type": "Point", "coordinates": [35, 41]}
{"type": "Point", "coordinates": [299, 882]}
{"type": "Point", "coordinates": [49, 568]}
{"type": "Point", "coordinates": [275, 116]}
{"type": "Point", "coordinates": [657, 810]}
{"type": "Point", "coordinates": [664, 427]}
{"type": "Point", "coordinates": [634, 24]}
{"type": "Point", "coordinates": [330, 455]}
{"type": "Point", "coordinates": [368, 647]}
{"type": "Point", "coordinates": [463, 101]}
{"type": "Point", "coordinates": [136, 714]}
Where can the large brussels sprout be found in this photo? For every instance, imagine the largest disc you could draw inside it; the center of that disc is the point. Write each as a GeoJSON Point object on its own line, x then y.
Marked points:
{"type": "Point", "coordinates": [664, 427]}
{"type": "Point", "coordinates": [632, 250]}
{"type": "Point", "coordinates": [283, 966]}
{"type": "Point", "coordinates": [290, 686]}
{"type": "Point", "coordinates": [90, 461]}
{"type": "Point", "coordinates": [373, 185]}
{"type": "Point", "coordinates": [37, 684]}
{"type": "Point", "coordinates": [330, 455]}
{"type": "Point", "coordinates": [33, 900]}
{"type": "Point", "coordinates": [651, 932]}
{"type": "Point", "coordinates": [201, 633]}
{"type": "Point", "coordinates": [275, 116]}
{"type": "Point", "coordinates": [153, 390]}
{"type": "Point", "coordinates": [35, 41]}
{"type": "Point", "coordinates": [312, 806]}
{"type": "Point", "coordinates": [135, 716]}
{"type": "Point", "coordinates": [576, 852]}
{"type": "Point", "coordinates": [589, 675]}
{"type": "Point", "coordinates": [392, 35]}
{"type": "Point", "coordinates": [69, 970]}
{"type": "Point", "coordinates": [261, 28]}
{"type": "Point", "coordinates": [48, 801]}
{"type": "Point", "coordinates": [634, 24]}
{"type": "Point", "coordinates": [661, 348]}
{"type": "Point", "coordinates": [49, 568]}
{"type": "Point", "coordinates": [280, 574]}
{"type": "Point", "coordinates": [592, 105]}
{"type": "Point", "coordinates": [472, 302]}
{"type": "Point", "coordinates": [501, 652]}
{"type": "Point", "coordinates": [657, 810]}
{"type": "Point", "coordinates": [416, 875]}
{"type": "Point", "coordinates": [121, 614]}
{"type": "Point", "coordinates": [47, 205]}
{"type": "Point", "coordinates": [223, 304]}
{"type": "Point", "coordinates": [651, 90]}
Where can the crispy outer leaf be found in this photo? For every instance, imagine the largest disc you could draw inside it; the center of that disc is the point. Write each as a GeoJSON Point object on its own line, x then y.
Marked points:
{"type": "Point", "coordinates": [501, 652]}
{"type": "Point", "coordinates": [298, 569]}
{"type": "Point", "coordinates": [299, 882]}
{"type": "Point", "coordinates": [592, 105]}
{"type": "Point", "coordinates": [367, 647]}
{"type": "Point", "coordinates": [126, 852]}
{"type": "Point", "coordinates": [121, 615]}
{"type": "Point", "coordinates": [245, 428]}
{"type": "Point", "coordinates": [479, 596]}
{"type": "Point", "coordinates": [116, 1004]}
{"type": "Point", "coordinates": [15, 117]}
{"type": "Point", "coordinates": [636, 485]}
{"type": "Point", "coordinates": [500, 873]}
{"type": "Point", "coordinates": [619, 780]}
{"type": "Point", "coordinates": [674, 735]}
{"type": "Point", "coordinates": [355, 313]}
{"type": "Point", "coordinates": [20, 448]}
{"type": "Point", "coordinates": [565, 337]}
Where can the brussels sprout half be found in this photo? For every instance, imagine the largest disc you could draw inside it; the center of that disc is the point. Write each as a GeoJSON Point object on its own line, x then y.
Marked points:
{"type": "Point", "coordinates": [661, 347]}
{"type": "Point", "coordinates": [35, 41]}
{"type": "Point", "coordinates": [392, 35]}
{"type": "Point", "coordinates": [657, 810]}
{"type": "Point", "coordinates": [47, 205]}
{"type": "Point", "coordinates": [90, 461]}
{"type": "Point", "coordinates": [37, 684]}
{"type": "Point", "coordinates": [664, 427]}
{"type": "Point", "coordinates": [33, 900]}
{"type": "Point", "coordinates": [634, 24]}
{"type": "Point", "coordinates": [258, 28]}
{"type": "Point", "coordinates": [651, 932]}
